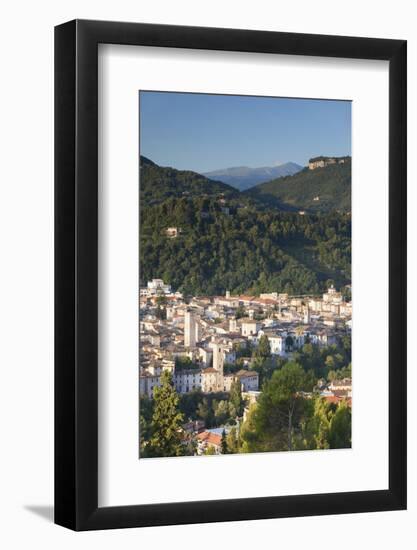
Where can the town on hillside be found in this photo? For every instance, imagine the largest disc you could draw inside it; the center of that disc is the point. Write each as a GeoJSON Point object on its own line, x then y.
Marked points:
{"type": "Point", "coordinates": [212, 347]}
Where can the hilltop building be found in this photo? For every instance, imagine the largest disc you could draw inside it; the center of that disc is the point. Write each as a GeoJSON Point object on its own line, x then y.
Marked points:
{"type": "Point", "coordinates": [321, 162]}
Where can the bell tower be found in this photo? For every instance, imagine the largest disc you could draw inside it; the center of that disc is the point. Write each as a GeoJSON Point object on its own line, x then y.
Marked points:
{"type": "Point", "coordinates": [218, 364]}
{"type": "Point", "coordinates": [307, 315]}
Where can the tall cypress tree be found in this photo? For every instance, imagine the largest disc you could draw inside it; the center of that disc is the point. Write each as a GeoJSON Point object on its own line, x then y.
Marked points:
{"type": "Point", "coordinates": [225, 449]}
{"type": "Point", "coordinates": [264, 348]}
{"type": "Point", "coordinates": [236, 397]}
{"type": "Point", "coordinates": [166, 421]}
{"type": "Point", "coordinates": [340, 434]}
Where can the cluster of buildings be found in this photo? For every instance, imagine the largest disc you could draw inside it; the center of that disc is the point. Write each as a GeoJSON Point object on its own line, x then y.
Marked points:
{"type": "Point", "coordinates": [321, 162]}
{"type": "Point", "coordinates": [200, 340]}
{"type": "Point", "coordinates": [207, 358]}
{"type": "Point", "coordinates": [336, 391]}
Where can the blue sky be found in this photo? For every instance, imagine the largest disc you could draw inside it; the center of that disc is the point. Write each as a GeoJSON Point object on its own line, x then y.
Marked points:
{"type": "Point", "coordinates": [204, 132]}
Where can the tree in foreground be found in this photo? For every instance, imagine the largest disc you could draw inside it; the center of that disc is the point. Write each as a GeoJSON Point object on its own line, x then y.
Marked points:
{"type": "Point", "coordinates": [166, 438]}
{"type": "Point", "coordinates": [315, 429]}
{"type": "Point", "coordinates": [264, 349]}
{"type": "Point", "coordinates": [289, 343]}
{"type": "Point", "coordinates": [340, 432]}
{"type": "Point", "coordinates": [161, 313]}
{"type": "Point", "coordinates": [232, 441]}
{"type": "Point", "coordinates": [225, 449]}
{"type": "Point", "coordinates": [236, 397]}
{"type": "Point", "coordinates": [328, 427]}
{"type": "Point", "coordinates": [210, 450]}
{"type": "Point", "coordinates": [271, 425]}
{"type": "Point", "coordinates": [145, 422]}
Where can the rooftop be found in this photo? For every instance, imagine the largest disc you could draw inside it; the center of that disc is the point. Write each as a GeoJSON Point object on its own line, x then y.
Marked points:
{"type": "Point", "coordinates": [209, 370]}
{"type": "Point", "coordinates": [243, 373]}
{"type": "Point", "coordinates": [210, 438]}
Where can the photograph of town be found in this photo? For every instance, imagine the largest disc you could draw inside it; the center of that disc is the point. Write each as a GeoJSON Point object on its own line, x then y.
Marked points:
{"type": "Point", "coordinates": [245, 311]}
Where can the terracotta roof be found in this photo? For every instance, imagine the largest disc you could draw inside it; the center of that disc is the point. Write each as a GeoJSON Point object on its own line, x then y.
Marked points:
{"type": "Point", "coordinates": [265, 301]}
{"type": "Point", "coordinates": [245, 298]}
{"type": "Point", "coordinates": [153, 298]}
{"type": "Point", "coordinates": [242, 373]}
{"type": "Point", "coordinates": [210, 438]}
{"type": "Point", "coordinates": [210, 370]}
{"type": "Point", "coordinates": [343, 382]}
{"type": "Point", "coordinates": [340, 393]}
{"type": "Point", "coordinates": [334, 399]}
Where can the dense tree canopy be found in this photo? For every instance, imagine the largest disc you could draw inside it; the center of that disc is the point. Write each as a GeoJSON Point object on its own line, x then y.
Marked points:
{"type": "Point", "coordinates": [279, 412]}
{"type": "Point", "coordinates": [158, 183]}
{"type": "Point", "coordinates": [246, 251]}
{"type": "Point", "coordinates": [229, 241]}
{"type": "Point", "coordinates": [319, 190]}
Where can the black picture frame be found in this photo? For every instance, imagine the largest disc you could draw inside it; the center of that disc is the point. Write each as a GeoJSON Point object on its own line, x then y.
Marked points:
{"type": "Point", "coordinates": [76, 272]}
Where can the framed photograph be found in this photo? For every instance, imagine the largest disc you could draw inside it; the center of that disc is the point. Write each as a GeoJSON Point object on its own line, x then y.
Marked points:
{"type": "Point", "coordinates": [230, 244]}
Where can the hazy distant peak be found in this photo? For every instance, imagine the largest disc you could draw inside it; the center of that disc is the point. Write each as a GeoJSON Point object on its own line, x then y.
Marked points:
{"type": "Point", "coordinates": [244, 177]}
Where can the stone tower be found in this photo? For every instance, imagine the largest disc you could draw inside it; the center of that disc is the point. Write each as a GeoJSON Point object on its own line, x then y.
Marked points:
{"type": "Point", "coordinates": [189, 330]}
{"type": "Point", "coordinates": [197, 331]}
{"type": "Point", "coordinates": [218, 363]}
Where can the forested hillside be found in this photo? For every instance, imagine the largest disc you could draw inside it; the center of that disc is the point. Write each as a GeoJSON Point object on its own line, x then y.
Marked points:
{"type": "Point", "coordinates": [320, 190]}
{"type": "Point", "coordinates": [227, 242]}
{"type": "Point", "coordinates": [158, 183]}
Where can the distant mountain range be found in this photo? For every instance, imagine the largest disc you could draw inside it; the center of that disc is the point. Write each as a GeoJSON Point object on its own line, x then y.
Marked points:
{"type": "Point", "coordinates": [314, 191]}
{"type": "Point", "coordinates": [243, 177]}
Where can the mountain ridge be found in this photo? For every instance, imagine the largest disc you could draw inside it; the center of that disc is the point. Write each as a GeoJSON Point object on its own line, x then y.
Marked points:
{"type": "Point", "coordinates": [245, 177]}
{"type": "Point", "coordinates": [158, 183]}
{"type": "Point", "coordinates": [317, 191]}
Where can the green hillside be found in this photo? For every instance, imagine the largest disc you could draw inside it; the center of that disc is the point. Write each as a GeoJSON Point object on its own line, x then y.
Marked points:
{"type": "Point", "coordinates": [227, 242]}
{"type": "Point", "coordinates": [158, 183]}
{"type": "Point", "coordinates": [317, 191]}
